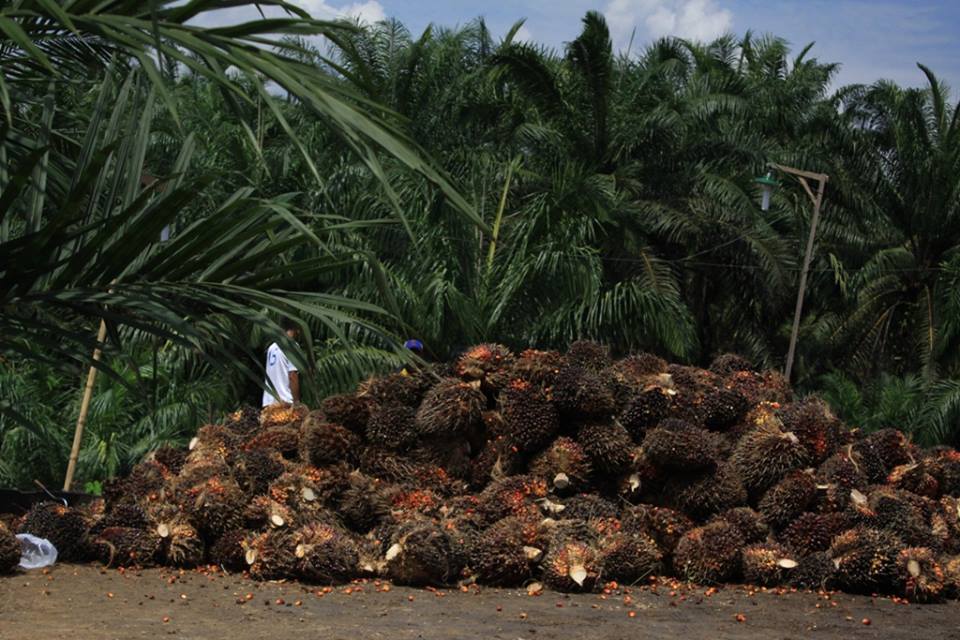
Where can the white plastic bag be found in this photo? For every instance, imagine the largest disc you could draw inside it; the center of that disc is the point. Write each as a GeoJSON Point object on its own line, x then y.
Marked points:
{"type": "Point", "coordinates": [36, 553]}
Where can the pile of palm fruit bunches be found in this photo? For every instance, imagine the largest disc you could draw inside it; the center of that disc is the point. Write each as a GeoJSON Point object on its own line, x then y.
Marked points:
{"type": "Point", "coordinates": [570, 470]}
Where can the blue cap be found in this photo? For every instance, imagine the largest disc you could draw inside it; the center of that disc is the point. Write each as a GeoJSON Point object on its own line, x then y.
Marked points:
{"type": "Point", "coordinates": [413, 345]}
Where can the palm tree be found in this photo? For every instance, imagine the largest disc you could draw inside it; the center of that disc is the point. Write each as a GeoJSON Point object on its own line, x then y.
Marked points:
{"type": "Point", "coordinates": [905, 303]}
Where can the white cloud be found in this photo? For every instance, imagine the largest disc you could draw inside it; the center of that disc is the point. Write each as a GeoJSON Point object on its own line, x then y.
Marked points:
{"type": "Point", "coordinates": [370, 11]}
{"type": "Point", "coordinates": [693, 19]}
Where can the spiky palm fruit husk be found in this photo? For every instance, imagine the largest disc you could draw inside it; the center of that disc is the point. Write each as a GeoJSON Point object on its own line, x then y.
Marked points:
{"type": "Point", "coordinates": [589, 354]}
{"type": "Point", "coordinates": [813, 571]}
{"type": "Point", "coordinates": [920, 575]}
{"type": "Point", "coordinates": [123, 514]}
{"type": "Point", "coordinates": [254, 470]}
{"type": "Point", "coordinates": [530, 419]}
{"type": "Point", "coordinates": [181, 544]}
{"type": "Point", "coordinates": [126, 547]}
{"type": "Point", "coordinates": [497, 459]}
{"type": "Point", "coordinates": [325, 554]}
{"type": "Point", "coordinates": [765, 455]}
{"type": "Point", "coordinates": [631, 375]}
{"type": "Point", "coordinates": [629, 558]}
{"type": "Point", "coordinates": [392, 426]}
{"type": "Point", "coordinates": [609, 446]}
{"type": "Point", "coordinates": [215, 506]}
{"type": "Point", "coordinates": [945, 524]}
{"type": "Point", "coordinates": [815, 425]}
{"type": "Point", "coordinates": [9, 550]}
{"type": "Point", "coordinates": [282, 414]}
{"type": "Point", "coordinates": [500, 556]}
{"type": "Point", "coordinates": [587, 506]}
{"type": "Point", "coordinates": [882, 451]}
{"type": "Point", "coordinates": [645, 410]}
{"type": "Point", "coordinates": [322, 443]}
{"type": "Point", "coordinates": [769, 386]}
{"type": "Point", "coordinates": [450, 408]}
{"type": "Point", "coordinates": [749, 522]}
{"type": "Point", "coordinates": [679, 445]}
{"type": "Point", "coordinates": [951, 575]}
{"type": "Point", "coordinates": [307, 490]}
{"type": "Point", "coordinates": [395, 387]}
{"type": "Point", "coordinates": [944, 464]}
{"type": "Point", "coordinates": [539, 367]}
{"type": "Point", "coordinates": [705, 493]}
{"type": "Point", "coordinates": [722, 408]}
{"type": "Point", "coordinates": [215, 438]}
{"type": "Point", "coordinates": [228, 550]}
{"type": "Point", "coordinates": [916, 478]}
{"type": "Point", "coordinates": [709, 554]}
{"type": "Point", "coordinates": [866, 559]}
{"type": "Point", "coordinates": [812, 532]}
{"type": "Point", "coordinates": [486, 363]}
{"type": "Point", "coordinates": [582, 394]}
{"type": "Point", "coordinates": [787, 499]}
{"type": "Point", "coordinates": [63, 526]}
{"type": "Point", "coordinates": [271, 555]}
{"type": "Point", "coordinates": [348, 409]}
{"type": "Point", "coordinates": [282, 438]}
{"type": "Point", "coordinates": [200, 467]}
{"type": "Point", "coordinates": [450, 454]}
{"type": "Point", "coordinates": [571, 565]}
{"type": "Point", "coordinates": [729, 363]}
{"type": "Point", "coordinates": [767, 564]}
{"type": "Point", "coordinates": [145, 482]}
{"type": "Point", "coordinates": [363, 503]}
{"type": "Point", "coordinates": [170, 457]}
{"type": "Point", "coordinates": [564, 465]}
{"type": "Point", "coordinates": [421, 553]}
{"type": "Point", "coordinates": [902, 513]}
{"type": "Point", "coordinates": [665, 525]}
{"type": "Point", "coordinates": [411, 504]}
{"type": "Point", "coordinates": [391, 468]}
{"type": "Point", "coordinates": [512, 496]}
{"type": "Point", "coordinates": [244, 421]}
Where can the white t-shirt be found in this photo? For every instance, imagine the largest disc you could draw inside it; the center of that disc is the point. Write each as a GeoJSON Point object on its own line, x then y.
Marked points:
{"type": "Point", "coordinates": [278, 375]}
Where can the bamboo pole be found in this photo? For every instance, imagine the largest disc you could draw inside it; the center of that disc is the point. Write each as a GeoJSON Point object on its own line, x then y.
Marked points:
{"type": "Point", "coordinates": [84, 409]}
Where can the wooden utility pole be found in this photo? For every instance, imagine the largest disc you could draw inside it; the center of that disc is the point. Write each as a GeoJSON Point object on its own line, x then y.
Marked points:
{"type": "Point", "coordinates": [817, 199]}
{"type": "Point", "coordinates": [84, 409]}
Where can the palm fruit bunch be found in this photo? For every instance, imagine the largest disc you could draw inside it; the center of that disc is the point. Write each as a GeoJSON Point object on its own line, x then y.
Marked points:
{"type": "Point", "coordinates": [452, 407]}
{"type": "Point", "coordinates": [325, 553]}
{"type": "Point", "coordinates": [608, 445]}
{"type": "Point", "coordinates": [787, 499]}
{"type": "Point", "coordinates": [564, 465]}
{"type": "Point", "coordinates": [501, 554]}
{"type": "Point", "coordinates": [271, 555]}
{"type": "Point", "coordinates": [565, 468]}
{"type": "Point", "coordinates": [529, 418]}
{"type": "Point", "coordinates": [709, 554]}
{"type": "Point", "coordinates": [63, 526]}
{"type": "Point", "coordinates": [767, 564]}
{"type": "Point", "coordinates": [9, 550]}
{"type": "Point", "coordinates": [866, 559]}
{"type": "Point", "coordinates": [487, 364]}
{"type": "Point", "coordinates": [347, 409]}
{"type": "Point", "coordinates": [421, 554]}
{"type": "Point", "coordinates": [321, 442]}
{"type": "Point", "coordinates": [538, 367]}
{"type": "Point", "coordinates": [392, 425]}
{"type": "Point", "coordinates": [127, 546]}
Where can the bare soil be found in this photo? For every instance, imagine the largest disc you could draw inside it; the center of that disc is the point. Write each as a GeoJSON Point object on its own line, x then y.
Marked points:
{"type": "Point", "coordinates": [86, 602]}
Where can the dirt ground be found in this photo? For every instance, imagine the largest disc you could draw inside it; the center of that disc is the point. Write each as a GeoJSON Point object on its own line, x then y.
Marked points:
{"type": "Point", "coordinates": [85, 602]}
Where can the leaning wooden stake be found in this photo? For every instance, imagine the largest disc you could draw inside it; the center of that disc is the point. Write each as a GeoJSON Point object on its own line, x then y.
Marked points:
{"type": "Point", "coordinates": [84, 408]}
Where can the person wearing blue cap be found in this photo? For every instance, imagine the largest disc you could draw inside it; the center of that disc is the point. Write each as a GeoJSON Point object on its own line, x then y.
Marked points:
{"type": "Point", "coordinates": [414, 345]}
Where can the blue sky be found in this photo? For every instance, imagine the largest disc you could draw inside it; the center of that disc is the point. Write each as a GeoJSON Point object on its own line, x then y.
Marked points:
{"type": "Point", "coordinates": [871, 38]}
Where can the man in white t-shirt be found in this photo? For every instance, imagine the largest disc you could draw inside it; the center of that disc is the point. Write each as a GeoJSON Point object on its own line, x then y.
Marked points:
{"type": "Point", "coordinates": [282, 375]}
